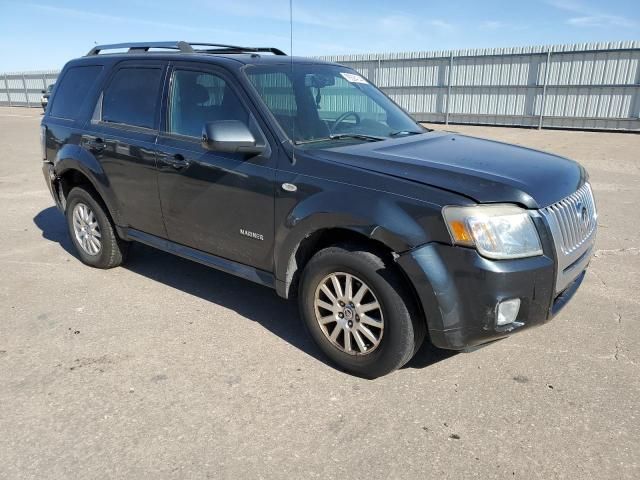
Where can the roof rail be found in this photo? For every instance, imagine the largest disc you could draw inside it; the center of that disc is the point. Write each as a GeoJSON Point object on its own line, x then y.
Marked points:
{"type": "Point", "coordinates": [142, 46]}
{"type": "Point", "coordinates": [183, 47]}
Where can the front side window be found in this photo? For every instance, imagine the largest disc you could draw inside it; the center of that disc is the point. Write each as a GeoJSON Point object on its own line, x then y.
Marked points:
{"type": "Point", "coordinates": [72, 90]}
{"type": "Point", "coordinates": [200, 97]}
{"type": "Point", "coordinates": [327, 103]}
{"type": "Point", "coordinates": [132, 97]}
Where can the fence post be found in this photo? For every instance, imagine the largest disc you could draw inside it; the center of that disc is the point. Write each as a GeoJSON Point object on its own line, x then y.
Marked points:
{"type": "Point", "coordinates": [543, 101]}
{"type": "Point", "coordinates": [6, 82]}
{"type": "Point", "coordinates": [446, 114]}
{"type": "Point", "coordinates": [26, 92]}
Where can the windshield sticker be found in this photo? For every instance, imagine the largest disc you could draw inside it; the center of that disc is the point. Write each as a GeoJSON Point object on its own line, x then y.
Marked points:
{"type": "Point", "coordinates": [353, 78]}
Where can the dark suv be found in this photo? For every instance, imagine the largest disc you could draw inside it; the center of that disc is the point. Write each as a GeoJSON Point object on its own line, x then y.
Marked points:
{"type": "Point", "coordinates": [302, 176]}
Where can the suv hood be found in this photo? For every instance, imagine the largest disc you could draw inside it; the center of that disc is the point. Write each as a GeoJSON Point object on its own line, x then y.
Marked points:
{"type": "Point", "coordinates": [484, 170]}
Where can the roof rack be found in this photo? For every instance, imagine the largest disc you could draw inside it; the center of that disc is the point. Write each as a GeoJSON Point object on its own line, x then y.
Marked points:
{"type": "Point", "coordinates": [183, 47]}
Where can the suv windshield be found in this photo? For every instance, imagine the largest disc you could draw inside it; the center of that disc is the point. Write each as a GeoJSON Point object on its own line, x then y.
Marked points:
{"type": "Point", "coordinates": [319, 104]}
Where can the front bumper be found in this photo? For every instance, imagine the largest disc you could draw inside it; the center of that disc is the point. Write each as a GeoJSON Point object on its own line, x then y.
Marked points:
{"type": "Point", "coordinates": [459, 291]}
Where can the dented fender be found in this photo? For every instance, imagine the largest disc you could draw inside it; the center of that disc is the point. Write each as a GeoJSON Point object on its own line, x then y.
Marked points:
{"type": "Point", "coordinates": [400, 223]}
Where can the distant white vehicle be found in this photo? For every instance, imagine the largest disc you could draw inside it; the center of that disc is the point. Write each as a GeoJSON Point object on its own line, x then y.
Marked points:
{"type": "Point", "coordinates": [44, 100]}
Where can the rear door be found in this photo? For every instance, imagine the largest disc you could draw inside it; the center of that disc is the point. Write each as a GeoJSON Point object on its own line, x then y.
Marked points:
{"type": "Point", "coordinates": [219, 203]}
{"type": "Point", "coordinates": [122, 136]}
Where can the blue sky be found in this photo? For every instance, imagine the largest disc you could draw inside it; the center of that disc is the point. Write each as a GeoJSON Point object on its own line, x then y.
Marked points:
{"type": "Point", "coordinates": [44, 34]}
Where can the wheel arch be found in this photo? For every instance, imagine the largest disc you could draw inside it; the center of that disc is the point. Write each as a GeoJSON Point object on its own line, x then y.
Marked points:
{"type": "Point", "coordinates": [73, 167]}
{"type": "Point", "coordinates": [315, 241]}
{"type": "Point", "coordinates": [321, 238]}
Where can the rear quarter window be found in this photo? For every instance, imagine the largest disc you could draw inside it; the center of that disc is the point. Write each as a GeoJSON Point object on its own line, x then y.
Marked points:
{"type": "Point", "coordinates": [72, 90]}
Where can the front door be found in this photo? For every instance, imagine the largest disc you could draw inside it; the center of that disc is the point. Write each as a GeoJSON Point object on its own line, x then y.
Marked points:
{"type": "Point", "coordinates": [219, 203]}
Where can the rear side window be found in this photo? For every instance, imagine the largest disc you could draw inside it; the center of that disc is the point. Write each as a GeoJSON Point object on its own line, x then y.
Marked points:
{"type": "Point", "coordinates": [132, 96]}
{"type": "Point", "coordinates": [72, 90]}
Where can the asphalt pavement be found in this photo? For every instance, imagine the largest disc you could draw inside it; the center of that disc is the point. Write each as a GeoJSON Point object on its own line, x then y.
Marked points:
{"type": "Point", "coordinates": [164, 368]}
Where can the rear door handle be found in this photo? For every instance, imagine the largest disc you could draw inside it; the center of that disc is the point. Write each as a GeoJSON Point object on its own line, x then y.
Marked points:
{"type": "Point", "coordinates": [177, 161]}
{"type": "Point", "coordinates": [95, 145]}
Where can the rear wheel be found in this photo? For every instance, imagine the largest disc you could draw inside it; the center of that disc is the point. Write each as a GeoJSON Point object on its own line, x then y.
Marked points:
{"type": "Point", "coordinates": [92, 232]}
{"type": "Point", "coordinates": [359, 312]}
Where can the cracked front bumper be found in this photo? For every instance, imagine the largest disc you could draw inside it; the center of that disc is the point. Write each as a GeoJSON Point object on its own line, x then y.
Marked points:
{"type": "Point", "coordinates": [459, 291]}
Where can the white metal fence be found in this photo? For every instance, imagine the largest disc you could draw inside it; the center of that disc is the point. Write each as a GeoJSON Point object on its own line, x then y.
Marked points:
{"type": "Point", "coordinates": [585, 86]}
{"type": "Point", "coordinates": [24, 89]}
{"type": "Point", "coordinates": [570, 86]}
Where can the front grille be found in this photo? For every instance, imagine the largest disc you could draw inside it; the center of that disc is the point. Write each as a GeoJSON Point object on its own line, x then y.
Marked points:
{"type": "Point", "coordinates": [575, 217]}
{"type": "Point", "coordinates": [573, 222]}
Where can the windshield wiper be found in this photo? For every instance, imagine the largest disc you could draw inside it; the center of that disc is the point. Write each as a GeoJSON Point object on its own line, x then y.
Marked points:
{"type": "Point", "coordinates": [359, 136]}
{"type": "Point", "coordinates": [340, 136]}
{"type": "Point", "coordinates": [404, 132]}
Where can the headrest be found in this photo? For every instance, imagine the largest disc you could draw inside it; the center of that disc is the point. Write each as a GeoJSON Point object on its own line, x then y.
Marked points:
{"type": "Point", "coordinates": [193, 94]}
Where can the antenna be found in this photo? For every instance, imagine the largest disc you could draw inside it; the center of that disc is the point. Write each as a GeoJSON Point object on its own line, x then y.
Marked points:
{"type": "Point", "coordinates": [293, 125]}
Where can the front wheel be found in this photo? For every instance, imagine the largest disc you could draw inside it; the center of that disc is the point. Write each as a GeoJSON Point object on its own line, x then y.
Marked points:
{"type": "Point", "coordinates": [359, 312]}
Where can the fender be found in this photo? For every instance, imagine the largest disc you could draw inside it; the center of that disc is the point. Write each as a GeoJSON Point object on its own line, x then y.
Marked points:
{"type": "Point", "coordinates": [74, 157]}
{"type": "Point", "coordinates": [385, 218]}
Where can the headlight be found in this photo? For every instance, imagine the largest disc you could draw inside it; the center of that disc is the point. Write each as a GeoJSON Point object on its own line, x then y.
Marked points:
{"type": "Point", "coordinates": [497, 231]}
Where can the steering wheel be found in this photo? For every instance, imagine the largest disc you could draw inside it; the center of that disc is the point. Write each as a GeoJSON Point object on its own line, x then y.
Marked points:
{"type": "Point", "coordinates": [342, 118]}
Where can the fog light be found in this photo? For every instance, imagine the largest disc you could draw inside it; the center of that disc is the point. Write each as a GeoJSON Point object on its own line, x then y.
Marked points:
{"type": "Point", "coordinates": [507, 311]}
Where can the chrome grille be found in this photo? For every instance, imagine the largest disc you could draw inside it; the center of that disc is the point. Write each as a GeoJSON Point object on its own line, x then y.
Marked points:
{"type": "Point", "coordinates": [573, 222]}
{"type": "Point", "coordinates": [575, 217]}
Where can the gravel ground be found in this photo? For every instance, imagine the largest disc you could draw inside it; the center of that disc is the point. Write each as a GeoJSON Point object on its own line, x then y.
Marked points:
{"type": "Point", "coordinates": [167, 369]}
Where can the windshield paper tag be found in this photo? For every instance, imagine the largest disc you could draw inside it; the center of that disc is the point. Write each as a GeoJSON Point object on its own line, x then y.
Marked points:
{"type": "Point", "coordinates": [353, 78]}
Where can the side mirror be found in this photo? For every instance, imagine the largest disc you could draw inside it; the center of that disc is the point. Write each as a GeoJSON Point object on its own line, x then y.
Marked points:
{"type": "Point", "coordinates": [44, 91]}
{"type": "Point", "coordinates": [231, 136]}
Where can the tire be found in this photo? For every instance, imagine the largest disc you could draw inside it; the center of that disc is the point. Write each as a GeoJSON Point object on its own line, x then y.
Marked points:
{"type": "Point", "coordinates": [402, 327]}
{"type": "Point", "coordinates": [85, 209]}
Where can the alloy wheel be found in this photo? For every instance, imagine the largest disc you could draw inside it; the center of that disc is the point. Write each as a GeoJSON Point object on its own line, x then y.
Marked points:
{"type": "Point", "coordinates": [349, 313]}
{"type": "Point", "coordinates": [86, 229]}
